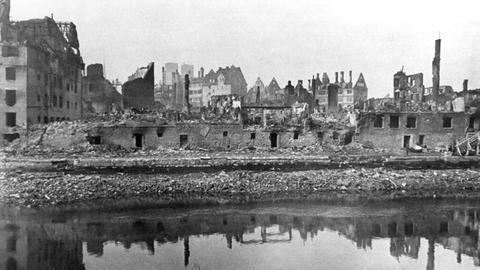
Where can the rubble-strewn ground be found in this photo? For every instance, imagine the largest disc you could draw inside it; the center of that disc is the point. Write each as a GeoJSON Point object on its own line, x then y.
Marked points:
{"type": "Point", "coordinates": [41, 189]}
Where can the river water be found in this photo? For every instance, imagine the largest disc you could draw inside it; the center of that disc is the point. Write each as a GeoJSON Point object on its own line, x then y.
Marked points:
{"type": "Point", "coordinates": [418, 234]}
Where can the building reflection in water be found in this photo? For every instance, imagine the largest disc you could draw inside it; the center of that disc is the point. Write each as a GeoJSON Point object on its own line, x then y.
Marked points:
{"type": "Point", "coordinates": [38, 245]}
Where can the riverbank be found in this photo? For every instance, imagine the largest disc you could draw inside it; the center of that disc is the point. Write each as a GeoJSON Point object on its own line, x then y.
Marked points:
{"type": "Point", "coordinates": [214, 162]}
{"type": "Point", "coordinates": [36, 189]}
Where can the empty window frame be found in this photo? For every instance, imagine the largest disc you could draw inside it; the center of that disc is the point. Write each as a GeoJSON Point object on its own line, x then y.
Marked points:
{"type": "Point", "coordinates": [411, 122]}
{"type": "Point", "coordinates": [295, 135]}
{"type": "Point", "coordinates": [447, 122]}
{"type": "Point", "coordinates": [10, 97]}
{"type": "Point", "coordinates": [421, 140]}
{"type": "Point", "coordinates": [394, 121]}
{"type": "Point", "coordinates": [11, 119]}
{"type": "Point", "coordinates": [10, 74]}
{"type": "Point", "coordinates": [378, 121]}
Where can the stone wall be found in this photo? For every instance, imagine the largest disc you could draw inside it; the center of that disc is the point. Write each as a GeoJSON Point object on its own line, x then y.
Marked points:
{"type": "Point", "coordinates": [428, 124]}
{"type": "Point", "coordinates": [204, 136]}
{"type": "Point", "coordinates": [138, 93]}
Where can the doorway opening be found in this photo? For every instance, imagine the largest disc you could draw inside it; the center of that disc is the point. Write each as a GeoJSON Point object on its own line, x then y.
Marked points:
{"type": "Point", "coordinates": [138, 140]}
{"type": "Point", "coordinates": [183, 140]}
{"type": "Point", "coordinates": [406, 141]}
{"type": "Point", "coordinates": [273, 140]}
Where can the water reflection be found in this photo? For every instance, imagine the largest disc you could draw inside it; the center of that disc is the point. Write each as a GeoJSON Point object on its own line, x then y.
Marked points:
{"type": "Point", "coordinates": [30, 241]}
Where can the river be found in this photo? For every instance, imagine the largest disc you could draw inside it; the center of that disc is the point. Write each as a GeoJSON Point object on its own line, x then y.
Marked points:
{"type": "Point", "coordinates": [408, 234]}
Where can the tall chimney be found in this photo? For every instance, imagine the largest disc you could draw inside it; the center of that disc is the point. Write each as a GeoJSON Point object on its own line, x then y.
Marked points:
{"type": "Point", "coordinates": [465, 85]}
{"type": "Point", "coordinates": [314, 91]}
{"type": "Point", "coordinates": [202, 70]}
{"type": "Point", "coordinates": [342, 76]}
{"type": "Point", "coordinates": [163, 75]}
{"type": "Point", "coordinates": [309, 84]}
{"type": "Point", "coordinates": [436, 71]}
{"type": "Point", "coordinates": [350, 75]}
{"type": "Point", "coordinates": [336, 77]}
{"type": "Point", "coordinates": [175, 90]}
{"type": "Point", "coordinates": [187, 93]}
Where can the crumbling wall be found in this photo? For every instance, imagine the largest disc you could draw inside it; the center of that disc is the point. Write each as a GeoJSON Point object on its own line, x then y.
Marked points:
{"type": "Point", "coordinates": [138, 93]}
{"type": "Point", "coordinates": [428, 125]}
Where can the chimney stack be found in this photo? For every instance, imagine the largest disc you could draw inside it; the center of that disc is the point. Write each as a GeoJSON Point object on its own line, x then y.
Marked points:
{"type": "Point", "coordinates": [336, 77]}
{"type": "Point", "coordinates": [202, 72]}
{"type": "Point", "coordinates": [163, 75]}
{"type": "Point", "coordinates": [350, 74]}
{"type": "Point", "coordinates": [342, 76]}
{"type": "Point", "coordinates": [436, 71]}
{"type": "Point", "coordinates": [309, 84]}
{"type": "Point", "coordinates": [465, 85]}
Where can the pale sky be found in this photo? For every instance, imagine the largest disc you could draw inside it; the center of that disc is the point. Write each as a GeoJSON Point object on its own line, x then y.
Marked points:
{"type": "Point", "coordinates": [288, 40]}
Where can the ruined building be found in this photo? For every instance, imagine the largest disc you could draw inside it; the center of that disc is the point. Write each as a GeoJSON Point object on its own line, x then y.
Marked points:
{"type": "Point", "coordinates": [257, 93]}
{"type": "Point", "coordinates": [432, 119]}
{"type": "Point", "coordinates": [228, 81]}
{"type": "Point", "coordinates": [410, 92]}
{"type": "Point", "coordinates": [408, 88]}
{"type": "Point", "coordinates": [40, 75]}
{"type": "Point", "coordinates": [187, 69]}
{"type": "Point", "coordinates": [99, 95]}
{"type": "Point", "coordinates": [171, 91]}
{"type": "Point", "coordinates": [272, 94]}
{"type": "Point", "coordinates": [138, 91]}
{"type": "Point", "coordinates": [330, 96]}
{"type": "Point", "coordinates": [275, 92]}
{"type": "Point", "coordinates": [168, 72]}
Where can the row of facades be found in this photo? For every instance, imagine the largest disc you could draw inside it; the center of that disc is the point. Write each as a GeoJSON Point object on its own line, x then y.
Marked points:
{"type": "Point", "coordinates": [230, 81]}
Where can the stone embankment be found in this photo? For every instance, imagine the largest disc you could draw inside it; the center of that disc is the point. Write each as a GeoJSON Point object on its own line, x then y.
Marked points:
{"type": "Point", "coordinates": [209, 163]}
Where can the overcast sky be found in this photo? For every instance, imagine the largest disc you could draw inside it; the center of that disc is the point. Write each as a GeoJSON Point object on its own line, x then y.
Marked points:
{"type": "Point", "coordinates": [288, 40]}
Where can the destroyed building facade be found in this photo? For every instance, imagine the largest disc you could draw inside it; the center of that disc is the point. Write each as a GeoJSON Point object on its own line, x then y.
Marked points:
{"type": "Point", "coordinates": [41, 74]}
{"type": "Point", "coordinates": [138, 91]}
{"type": "Point", "coordinates": [400, 130]}
{"type": "Point", "coordinates": [420, 118]}
{"type": "Point", "coordinates": [330, 96]}
{"type": "Point", "coordinates": [99, 94]}
{"type": "Point", "coordinates": [261, 94]}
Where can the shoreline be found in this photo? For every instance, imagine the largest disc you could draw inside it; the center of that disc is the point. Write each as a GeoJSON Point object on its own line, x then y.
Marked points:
{"type": "Point", "coordinates": [53, 189]}
{"type": "Point", "coordinates": [205, 162]}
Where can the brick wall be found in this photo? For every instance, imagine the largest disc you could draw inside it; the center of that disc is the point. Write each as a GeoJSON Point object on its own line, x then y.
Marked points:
{"type": "Point", "coordinates": [204, 136]}
{"type": "Point", "coordinates": [428, 124]}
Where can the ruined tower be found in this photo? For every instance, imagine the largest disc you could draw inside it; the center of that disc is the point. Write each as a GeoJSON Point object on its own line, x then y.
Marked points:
{"type": "Point", "coordinates": [436, 71]}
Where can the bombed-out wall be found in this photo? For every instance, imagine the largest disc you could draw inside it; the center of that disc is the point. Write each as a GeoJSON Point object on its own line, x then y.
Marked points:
{"type": "Point", "coordinates": [401, 130]}
{"type": "Point", "coordinates": [208, 136]}
{"type": "Point", "coordinates": [138, 91]}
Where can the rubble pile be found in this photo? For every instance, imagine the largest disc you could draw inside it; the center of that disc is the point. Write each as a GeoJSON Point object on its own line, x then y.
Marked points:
{"type": "Point", "coordinates": [40, 189]}
{"type": "Point", "coordinates": [57, 137]}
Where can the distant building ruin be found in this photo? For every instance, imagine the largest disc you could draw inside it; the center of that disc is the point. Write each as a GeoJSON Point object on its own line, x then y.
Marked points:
{"type": "Point", "coordinates": [138, 91]}
{"type": "Point", "coordinates": [100, 95]}
{"type": "Point", "coordinates": [329, 96]}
